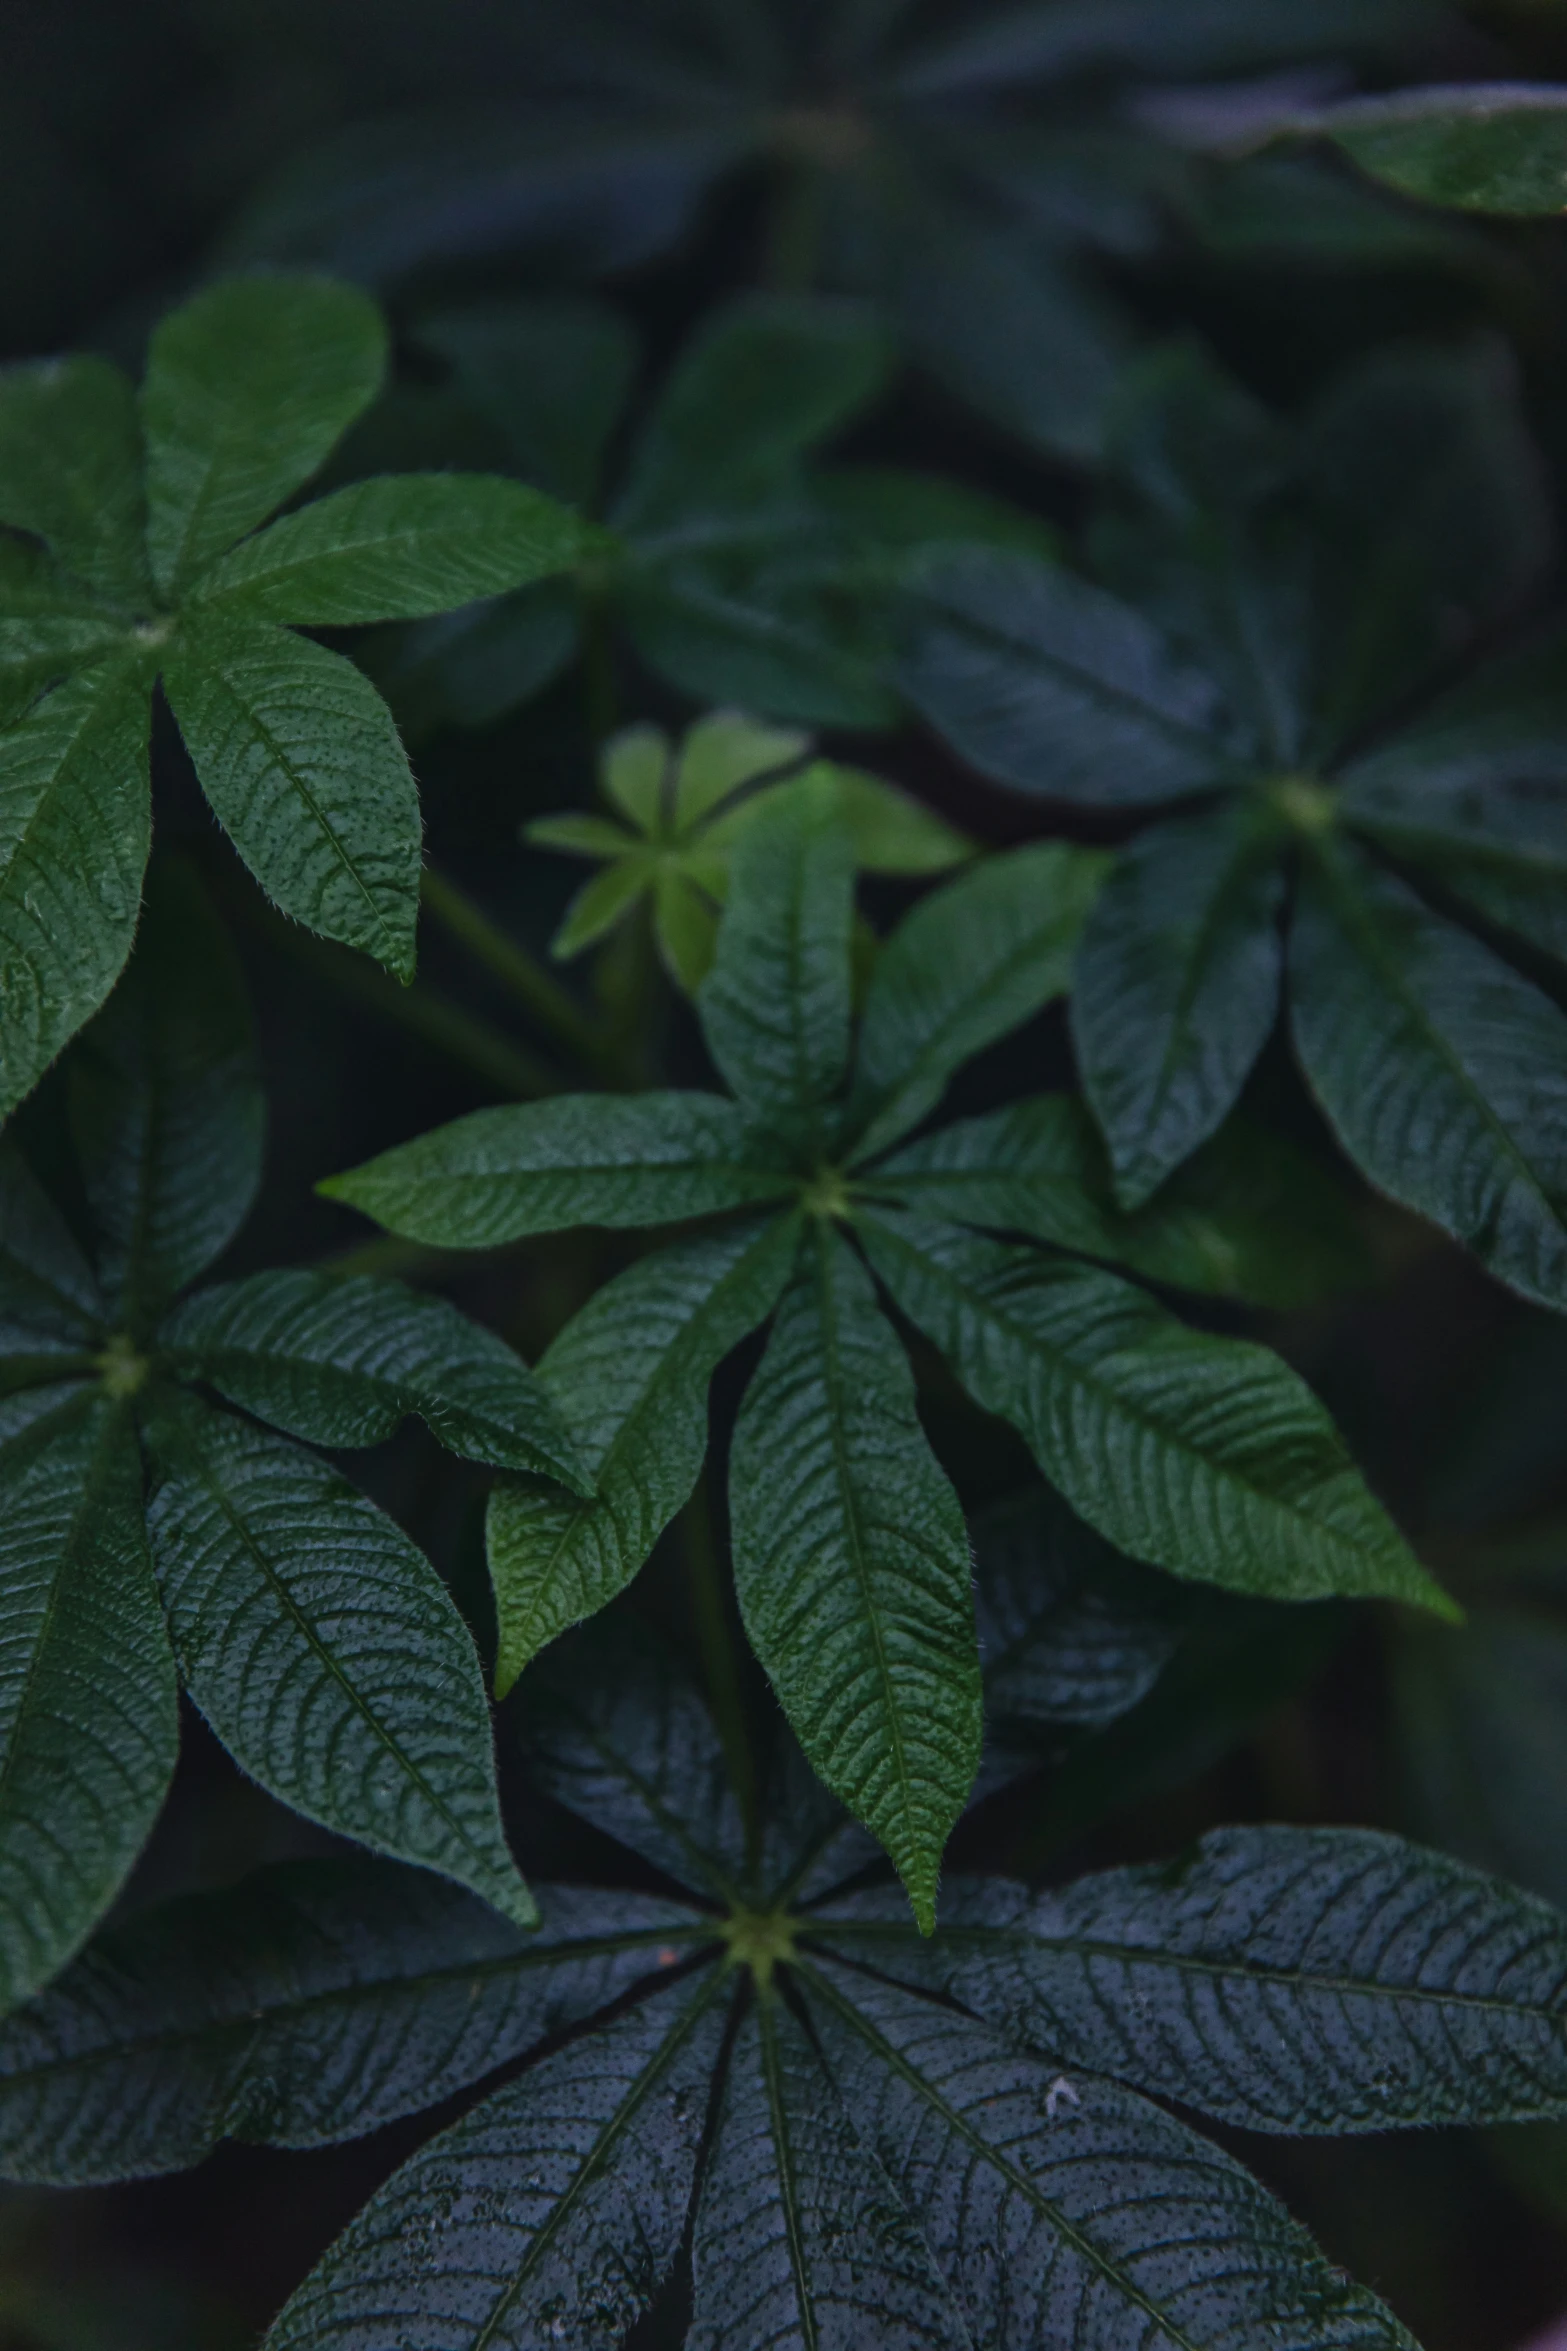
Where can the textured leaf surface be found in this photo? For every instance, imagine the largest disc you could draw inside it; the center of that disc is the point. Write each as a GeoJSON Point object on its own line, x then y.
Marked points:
{"type": "Point", "coordinates": [323, 1649]}
{"type": "Point", "coordinates": [551, 2213]}
{"type": "Point", "coordinates": [969, 964]}
{"type": "Point", "coordinates": [856, 1597]}
{"type": "Point", "coordinates": [167, 1107]}
{"type": "Point", "coordinates": [70, 470]}
{"type": "Point", "coordinates": [775, 1006]}
{"type": "Point", "coordinates": [303, 766]}
{"type": "Point", "coordinates": [47, 1292]}
{"type": "Point", "coordinates": [1205, 1456]}
{"type": "Point", "coordinates": [75, 828]}
{"type": "Point", "coordinates": [88, 1720]}
{"type": "Point", "coordinates": [800, 2237]}
{"type": "Point", "coordinates": [1062, 2208]}
{"type": "Point", "coordinates": [630, 1375]}
{"type": "Point", "coordinates": [1443, 1072]}
{"type": "Point", "coordinates": [313, 2001]}
{"type": "Point", "coordinates": [399, 548]}
{"type": "Point", "coordinates": [343, 1362]}
{"type": "Point", "coordinates": [1048, 684]}
{"type": "Point", "coordinates": [249, 387]}
{"type": "Point", "coordinates": [1177, 990]}
{"type": "Point", "coordinates": [498, 1175]}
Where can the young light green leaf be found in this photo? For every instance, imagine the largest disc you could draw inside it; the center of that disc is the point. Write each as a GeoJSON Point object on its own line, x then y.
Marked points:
{"type": "Point", "coordinates": [775, 1006]}
{"type": "Point", "coordinates": [720, 754]}
{"type": "Point", "coordinates": [644, 1159]}
{"type": "Point", "coordinates": [856, 1597]}
{"type": "Point", "coordinates": [323, 1649]}
{"type": "Point", "coordinates": [1050, 685]}
{"type": "Point", "coordinates": [1205, 1456]}
{"type": "Point", "coordinates": [398, 548]}
{"type": "Point", "coordinates": [166, 1102]}
{"type": "Point", "coordinates": [302, 764]}
{"type": "Point", "coordinates": [343, 1362]}
{"type": "Point", "coordinates": [1443, 1072]}
{"type": "Point", "coordinates": [75, 829]}
{"type": "Point", "coordinates": [630, 1376]}
{"type": "Point", "coordinates": [893, 833]}
{"type": "Point", "coordinates": [313, 2001]}
{"type": "Point", "coordinates": [1483, 147]}
{"type": "Point", "coordinates": [89, 1726]}
{"type": "Point", "coordinates": [1177, 989]}
{"type": "Point", "coordinates": [800, 2236]}
{"type": "Point", "coordinates": [969, 964]}
{"type": "Point", "coordinates": [567, 2192]}
{"type": "Point", "coordinates": [71, 471]}
{"type": "Point", "coordinates": [249, 388]}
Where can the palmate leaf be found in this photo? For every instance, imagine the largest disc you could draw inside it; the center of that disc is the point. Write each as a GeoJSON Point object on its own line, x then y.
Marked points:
{"type": "Point", "coordinates": [48, 1298]}
{"type": "Point", "coordinates": [856, 1599]}
{"type": "Point", "coordinates": [1207, 1457]}
{"type": "Point", "coordinates": [88, 1722]}
{"type": "Point", "coordinates": [631, 1371]}
{"type": "Point", "coordinates": [324, 1650]}
{"type": "Point", "coordinates": [70, 471]}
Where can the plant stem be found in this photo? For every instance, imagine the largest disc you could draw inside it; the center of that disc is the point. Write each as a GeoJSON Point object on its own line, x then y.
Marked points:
{"type": "Point", "coordinates": [510, 962]}
{"type": "Point", "coordinates": [720, 1660]}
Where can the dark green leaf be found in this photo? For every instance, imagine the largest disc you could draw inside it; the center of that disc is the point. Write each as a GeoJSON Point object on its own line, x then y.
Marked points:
{"type": "Point", "coordinates": [1205, 1456]}
{"type": "Point", "coordinates": [302, 764]}
{"type": "Point", "coordinates": [71, 471]}
{"type": "Point", "coordinates": [969, 964]}
{"type": "Point", "coordinates": [323, 1649]}
{"type": "Point", "coordinates": [630, 1376]}
{"type": "Point", "coordinates": [343, 1362]}
{"type": "Point", "coordinates": [47, 1292]}
{"type": "Point", "coordinates": [1050, 685]}
{"type": "Point", "coordinates": [476, 664]}
{"type": "Point", "coordinates": [551, 372]}
{"type": "Point", "coordinates": [647, 1159]}
{"type": "Point", "coordinates": [856, 1596]}
{"type": "Point", "coordinates": [166, 1103]}
{"type": "Point", "coordinates": [1177, 988]}
{"type": "Point", "coordinates": [1486, 147]}
{"type": "Point", "coordinates": [396, 549]}
{"type": "Point", "coordinates": [564, 2194]}
{"type": "Point", "coordinates": [88, 1721]}
{"type": "Point", "coordinates": [75, 829]}
{"type": "Point", "coordinates": [311, 2002]}
{"type": "Point", "coordinates": [1440, 1069]}
{"type": "Point", "coordinates": [250, 385]}
{"type": "Point", "coordinates": [779, 640]}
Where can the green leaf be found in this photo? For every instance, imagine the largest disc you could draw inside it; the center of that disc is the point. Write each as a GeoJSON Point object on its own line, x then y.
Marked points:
{"type": "Point", "coordinates": [782, 638]}
{"type": "Point", "coordinates": [396, 549]}
{"type": "Point", "coordinates": [313, 2001]}
{"type": "Point", "coordinates": [763, 382]}
{"type": "Point", "coordinates": [892, 513]}
{"type": "Point", "coordinates": [1177, 988]}
{"type": "Point", "coordinates": [629, 1374]}
{"type": "Point", "coordinates": [1205, 1456]}
{"type": "Point", "coordinates": [323, 1649]}
{"type": "Point", "coordinates": [1054, 687]}
{"type": "Point", "coordinates": [720, 754]}
{"type": "Point", "coordinates": [603, 902]}
{"type": "Point", "coordinates": [967, 966]}
{"type": "Point", "coordinates": [343, 1362]}
{"type": "Point", "coordinates": [1117, 2221]}
{"type": "Point", "coordinates": [1439, 1069]}
{"type": "Point", "coordinates": [856, 1596]}
{"type": "Point", "coordinates": [1487, 147]}
{"type": "Point", "coordinates": [302, 764]}
{"type": "Point", "coordinates": [71, 471]}
{"type": "Point", "coordinates": [685, 924]}
{"type": "Point", "coordinates": [800, 2236]}
{"type": "Point", "coordinates": [89, 1727]}
{"type": "Point", "coordinates": [544, 1167]}
{"type": "Point", "coordinates": [474, 665]}
{"type": "Point", "coordinates": [551, 372]}
{"type": "Point", "coordinates": [75, 829]}
{"type": "Point", "coordinates": [893, 833]}
{"type": "Point", "coordinates": [167, 1108]}
{"type": "Point", "coordinates": [249, 388]}
{"type": "Point", "coordinates": [597, 2146]}
{"type": "Point", "coordinates": [775, 1006]}
{"type": "Point", "coordinates": [1248, 1217]}
{"type": "Point", "coordinates": [1280, 1979]}
{"type": "Point", "coordinates": [47, 1291]}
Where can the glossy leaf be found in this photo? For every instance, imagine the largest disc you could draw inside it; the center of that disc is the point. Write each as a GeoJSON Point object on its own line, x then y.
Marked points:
{"type": "Point", "coordinates": [583, 1159]}
{"type": "Point", "coordinates": [70, 471]}
{"type": "Point", "coordinates": [630, 1375]}
{"type": "Point", "coordinates": [322, 1647]}
{"type": "Point", "coordinates": [1486, 147]}
{"type": "Point", "coordinates": [343, 1362]}
{"type": "Point", "coordinates": [1205, 1456]}
{"type": "Point", "coordinates": [856, 1598]}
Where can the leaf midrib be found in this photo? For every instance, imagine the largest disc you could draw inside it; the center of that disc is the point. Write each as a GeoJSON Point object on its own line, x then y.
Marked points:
{"type": "Point", "coordinates": [783, 2152]}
